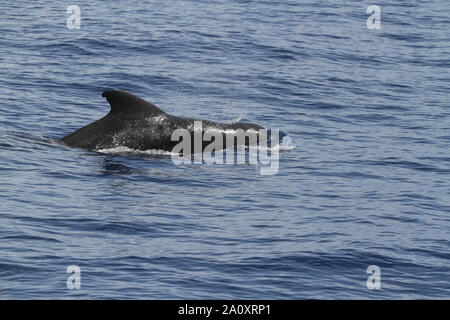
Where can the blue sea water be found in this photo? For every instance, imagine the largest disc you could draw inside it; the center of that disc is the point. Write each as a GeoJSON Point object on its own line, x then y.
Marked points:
{"type": "Point", "coordinates": [363, 179]}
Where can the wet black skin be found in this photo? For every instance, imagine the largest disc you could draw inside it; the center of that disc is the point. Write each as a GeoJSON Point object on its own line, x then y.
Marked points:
{"type": "Point", "coordinates": [138, 124]}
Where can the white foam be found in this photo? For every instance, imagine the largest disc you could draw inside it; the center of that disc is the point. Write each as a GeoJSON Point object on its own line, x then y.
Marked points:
{"type": "Point", "coordinates": [157, 119]}
{"type": "Point", "coordinates": [123, 149]}
{"type": "Point", "coordinates": [286, 144]}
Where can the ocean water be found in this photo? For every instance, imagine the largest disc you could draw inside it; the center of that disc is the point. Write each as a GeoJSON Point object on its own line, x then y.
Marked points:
{"type": "Point", "coordinates": [363, 173]}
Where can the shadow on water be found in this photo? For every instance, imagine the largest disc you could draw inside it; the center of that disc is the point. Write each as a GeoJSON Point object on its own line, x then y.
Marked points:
{"type": "Point", "coordinates": [109, 166]}
{"type": "Point", "coordinates": [113, 165]}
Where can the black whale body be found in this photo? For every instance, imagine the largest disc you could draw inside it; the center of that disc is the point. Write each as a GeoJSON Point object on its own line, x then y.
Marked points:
{"type": "Point", "coordinates": [138, 124]}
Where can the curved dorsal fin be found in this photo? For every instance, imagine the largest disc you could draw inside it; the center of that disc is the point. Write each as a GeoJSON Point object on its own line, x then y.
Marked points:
{"type": "Point", "coordinates": [124, 102]}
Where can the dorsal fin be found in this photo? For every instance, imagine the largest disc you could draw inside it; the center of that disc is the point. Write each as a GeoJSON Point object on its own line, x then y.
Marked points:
{"type": "Point", "coordinates": [124, 102]}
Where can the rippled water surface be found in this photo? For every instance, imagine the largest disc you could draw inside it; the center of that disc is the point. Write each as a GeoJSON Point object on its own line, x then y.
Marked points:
{"type": "Point", "coordinates": [364, 179]}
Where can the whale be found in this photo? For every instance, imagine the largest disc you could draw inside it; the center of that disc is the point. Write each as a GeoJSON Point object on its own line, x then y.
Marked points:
{"type": "Point", "coordinates": [137, 124]}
